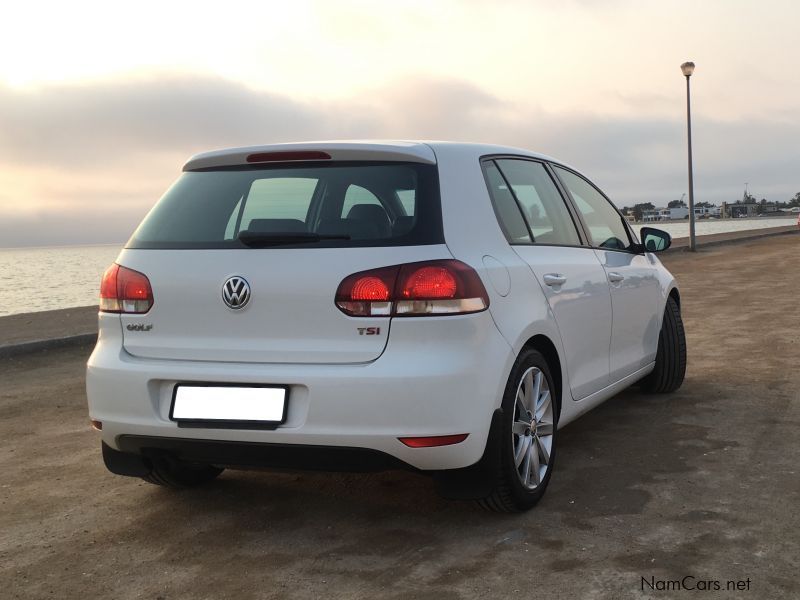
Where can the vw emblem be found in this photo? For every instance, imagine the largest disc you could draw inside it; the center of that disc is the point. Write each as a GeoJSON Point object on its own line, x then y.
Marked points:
{"type": "Point", "coordinates": [236, 292]}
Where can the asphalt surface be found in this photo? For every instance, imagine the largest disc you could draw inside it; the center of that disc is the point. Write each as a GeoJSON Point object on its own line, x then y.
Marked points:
{"type": "Point", "coordinates": [47, 325]}
{"type": "Point", "coordinates": [701, 483]}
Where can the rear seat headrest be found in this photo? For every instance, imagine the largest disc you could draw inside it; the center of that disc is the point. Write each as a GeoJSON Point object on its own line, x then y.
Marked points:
{"type": "Point", "coordinates": [372, 213]}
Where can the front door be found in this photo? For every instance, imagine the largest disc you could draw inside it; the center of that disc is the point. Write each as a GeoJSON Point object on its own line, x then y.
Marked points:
{"type": "Point", "coordinates": [635, 289]}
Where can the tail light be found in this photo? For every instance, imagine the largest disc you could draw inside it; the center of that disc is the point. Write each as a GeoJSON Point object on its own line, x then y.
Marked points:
{"type": "Point", "coordinates": [438, 287]}
{"type": "Point", "coordinates": [124, 290]}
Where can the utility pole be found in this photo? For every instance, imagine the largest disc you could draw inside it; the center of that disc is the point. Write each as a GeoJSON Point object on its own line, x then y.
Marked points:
{"type": "Point", "coordinates": [688, 68]}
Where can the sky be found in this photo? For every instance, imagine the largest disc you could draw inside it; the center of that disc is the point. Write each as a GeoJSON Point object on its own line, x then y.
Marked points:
{"type": "Point", "coordinates": [101, 102]}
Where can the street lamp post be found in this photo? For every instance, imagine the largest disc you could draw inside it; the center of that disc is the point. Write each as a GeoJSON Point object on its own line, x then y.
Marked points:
{"type": "Point", "coordinates": [688, 69]}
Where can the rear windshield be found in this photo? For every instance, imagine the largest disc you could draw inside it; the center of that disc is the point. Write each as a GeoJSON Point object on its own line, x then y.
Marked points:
{"type": "Point", "coordinates": [314, 206]}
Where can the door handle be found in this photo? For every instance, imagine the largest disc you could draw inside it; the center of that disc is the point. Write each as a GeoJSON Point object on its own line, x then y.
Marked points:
{"type": "Point", "coordinates": [615, 277]}
{"type": "Point", "coordinates": [554, 279]}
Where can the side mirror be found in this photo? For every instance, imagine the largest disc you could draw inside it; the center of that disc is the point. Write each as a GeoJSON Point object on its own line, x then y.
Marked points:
{"type": "Point", "coordinates": [655, 240]}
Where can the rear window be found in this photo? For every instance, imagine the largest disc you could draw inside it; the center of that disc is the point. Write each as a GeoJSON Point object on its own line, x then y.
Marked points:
{"type": "Point", "coordinates": [345, 204]}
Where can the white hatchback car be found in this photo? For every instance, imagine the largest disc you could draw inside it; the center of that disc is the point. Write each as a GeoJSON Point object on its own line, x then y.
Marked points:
{"type": "Point", "coordinates": [367, 305]}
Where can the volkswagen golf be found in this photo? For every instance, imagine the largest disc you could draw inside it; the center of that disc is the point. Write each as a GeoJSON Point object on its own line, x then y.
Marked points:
{"type": "Point", "coordinates": [441, 307]}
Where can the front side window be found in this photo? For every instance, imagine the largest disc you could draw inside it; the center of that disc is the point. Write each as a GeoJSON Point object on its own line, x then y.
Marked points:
{"type": "Point", "coordinates": [541, 204]}
{"type": "Point", "coordinates": [606, 228]}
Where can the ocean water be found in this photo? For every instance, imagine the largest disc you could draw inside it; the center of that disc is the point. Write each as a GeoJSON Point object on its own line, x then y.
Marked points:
{"type": "Point", "coordinates": [35, 279]}
{"type": "Point", "coordinates": [680, 229]}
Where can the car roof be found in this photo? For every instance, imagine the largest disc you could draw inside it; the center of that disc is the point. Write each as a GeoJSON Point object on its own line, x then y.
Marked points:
{"type": "Point", "coordinates": [384, 150]}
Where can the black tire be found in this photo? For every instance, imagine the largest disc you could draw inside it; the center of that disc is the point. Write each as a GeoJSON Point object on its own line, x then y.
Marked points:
{"type": "Point", "coordinates": [179, 475]}
{"type": "Point", "coordinates": [670, 369]}
{"type": "Point", "coordinates": [508, 493]}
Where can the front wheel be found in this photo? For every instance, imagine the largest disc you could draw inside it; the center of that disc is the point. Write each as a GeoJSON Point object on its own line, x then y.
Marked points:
{"type": "Point", "coordinates": [527, 443]}
{"type": "Point", "coordinates": [670, 369]}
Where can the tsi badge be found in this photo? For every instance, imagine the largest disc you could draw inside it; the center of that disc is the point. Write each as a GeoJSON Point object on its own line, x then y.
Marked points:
{"type": "Point", "coordinates": [139, 326]}
{"type": "Point", "coordinates": [369, 331]}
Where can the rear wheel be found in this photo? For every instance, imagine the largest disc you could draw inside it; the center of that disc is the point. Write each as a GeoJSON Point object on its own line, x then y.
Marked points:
{"type": "Point", "coordinates": [527, 443]}
{"type": "Point", "coordinates": [670, 369]}
{"type": "Point", "coordinates": [177, 475]}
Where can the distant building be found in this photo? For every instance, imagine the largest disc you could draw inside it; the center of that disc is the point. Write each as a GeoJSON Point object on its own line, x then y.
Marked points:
{"type": "Point", "coordinates": [703, 212]}
{"type": "Point", "coordinates": [740, 209]}
{"type": "Point", "coordinates": [665, 214]}
{"type": "Point", "coordinates": [679, 212]}
{"type": "Point", "coordinates": [651, 215]}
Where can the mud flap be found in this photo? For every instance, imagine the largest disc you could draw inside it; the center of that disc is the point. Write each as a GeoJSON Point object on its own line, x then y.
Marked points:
{"type": "Point", "coordinates": [477, 481]}
{"type": "Point", "coordinates": [122, 463]}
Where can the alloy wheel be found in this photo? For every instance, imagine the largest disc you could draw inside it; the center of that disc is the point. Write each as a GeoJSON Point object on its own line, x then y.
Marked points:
{"type": "Point", "coordinates": [533, 427]}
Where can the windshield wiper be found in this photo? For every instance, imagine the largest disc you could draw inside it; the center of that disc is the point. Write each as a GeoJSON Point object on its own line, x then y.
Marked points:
{"type": "Point", "coordinates": [256, 239]}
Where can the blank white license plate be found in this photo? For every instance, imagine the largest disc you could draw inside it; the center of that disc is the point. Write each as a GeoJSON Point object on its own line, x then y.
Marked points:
{"type": "Point", "coordinates": [229, 404]}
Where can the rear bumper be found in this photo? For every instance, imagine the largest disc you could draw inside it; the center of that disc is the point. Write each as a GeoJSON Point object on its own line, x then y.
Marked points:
{"type": "Point", "coordinates": [439, 376]}
{"type": "Point", "coordinates": [255, 455]}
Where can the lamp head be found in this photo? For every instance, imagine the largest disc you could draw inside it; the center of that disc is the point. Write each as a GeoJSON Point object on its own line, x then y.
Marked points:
{"type": "Point", "coordinates": [687, 68]}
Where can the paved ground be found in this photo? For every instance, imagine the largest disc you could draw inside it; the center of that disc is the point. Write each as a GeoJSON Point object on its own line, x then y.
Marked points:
{"type": "Point", "coordinates": [703, 482]}
{"type": "Point", "coordinates": [47, 325]}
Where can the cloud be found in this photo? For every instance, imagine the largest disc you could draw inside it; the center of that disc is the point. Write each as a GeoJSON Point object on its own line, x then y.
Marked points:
{"type": "Point", "coordinates": [85, 162]}
{"type": "Point", "coordinates": [78, 125]}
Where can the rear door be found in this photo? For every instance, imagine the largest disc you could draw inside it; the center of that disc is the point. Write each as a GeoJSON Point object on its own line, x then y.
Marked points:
{"type": "Point", "coordinates": [313, 225]}
{"type": "Point", "coordinates": [635, 289]}
{"type": "Point", "coordinates": [538, 224]}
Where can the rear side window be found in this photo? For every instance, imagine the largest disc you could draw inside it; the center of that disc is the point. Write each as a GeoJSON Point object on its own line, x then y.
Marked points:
{"type": "Point", "coordinates": [358, 204]}
{"type": "Point", "coordinates": [605, 224]}
{"type": "Point", "coordinates": [528, 185]}
{"type": "Point", "coordinates": [509, 214]}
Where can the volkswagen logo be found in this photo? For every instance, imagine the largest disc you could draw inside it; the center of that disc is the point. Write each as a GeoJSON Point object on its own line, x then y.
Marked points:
{"type": "Point", "coordinates": [236, 292]}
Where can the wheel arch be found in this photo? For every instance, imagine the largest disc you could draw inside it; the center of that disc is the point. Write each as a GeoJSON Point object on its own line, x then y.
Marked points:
{"type": "Point", "coordinates": [675, 295]}
{"type": "Point", "coordinates": [545, 346]}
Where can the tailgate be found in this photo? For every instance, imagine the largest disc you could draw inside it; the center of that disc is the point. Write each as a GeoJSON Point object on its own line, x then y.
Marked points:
{"type": "Point", "coordinates": [290, 316]}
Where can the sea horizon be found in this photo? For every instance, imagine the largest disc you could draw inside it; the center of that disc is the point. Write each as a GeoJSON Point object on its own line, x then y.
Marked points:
{"type": "Point", "coordinates": [56, 246]}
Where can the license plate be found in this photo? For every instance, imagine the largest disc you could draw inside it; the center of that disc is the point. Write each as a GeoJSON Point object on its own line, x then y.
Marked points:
{"type": "Point", "coordinates": [228, 405]}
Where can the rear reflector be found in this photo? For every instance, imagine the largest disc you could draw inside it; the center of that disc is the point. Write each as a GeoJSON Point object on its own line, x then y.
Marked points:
{"type": "Point", "coordinates": [288, 156]}
{"type": "Point", "coordinates": [124, 290]}
{"type": "Point", "coordinates": [96, 425]}
{"type": "Point", "coordinates": [437, 287]}
{"type": "Point", "coordinates": [434, 441]}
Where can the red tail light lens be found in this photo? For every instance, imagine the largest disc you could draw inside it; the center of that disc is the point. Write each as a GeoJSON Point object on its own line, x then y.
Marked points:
{"type": "Point", "coordinates": [370, 289]}
{"type": "Point", "coordinates": [430, 282]}
{"type": "Point", "coordinates": [108, 286]}
{"type": "Point", "coordinates": [124, 290]}
{"type": "Point", "coordinates": [438, 287]}
{"type": "Point", "coordinates": [367, 294]}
